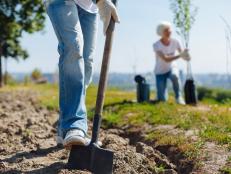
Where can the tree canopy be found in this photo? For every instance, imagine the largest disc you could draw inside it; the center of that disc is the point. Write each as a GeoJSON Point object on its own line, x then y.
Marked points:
{"type": "Point", "coordinates": [184, 17]}
{"type": "Point", "coordinates": [16, 17]}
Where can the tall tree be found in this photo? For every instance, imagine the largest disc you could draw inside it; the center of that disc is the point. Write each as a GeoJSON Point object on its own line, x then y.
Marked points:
{"type": "Point", "coordinates": [17, 17]}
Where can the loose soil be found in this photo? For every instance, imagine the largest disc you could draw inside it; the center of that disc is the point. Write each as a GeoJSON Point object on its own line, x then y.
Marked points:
{"type": "Point", "coordinates": [28, 143]}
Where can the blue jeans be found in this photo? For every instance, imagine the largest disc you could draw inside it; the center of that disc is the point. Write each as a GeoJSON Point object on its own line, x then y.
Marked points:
{"type": "Point", "coordinates": [76, 31]}
{"type": "Point", "coordinates": [161, 85]}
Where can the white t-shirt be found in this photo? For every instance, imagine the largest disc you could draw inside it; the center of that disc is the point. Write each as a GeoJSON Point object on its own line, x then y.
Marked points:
{"type": "Point", "coordinates": [87, 5]}
{"type": "Point", "coordinates": [162, 66]}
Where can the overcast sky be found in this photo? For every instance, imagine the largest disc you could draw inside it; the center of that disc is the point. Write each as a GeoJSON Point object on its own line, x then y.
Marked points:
{"type": "Point", "coordinates": [132, 50]}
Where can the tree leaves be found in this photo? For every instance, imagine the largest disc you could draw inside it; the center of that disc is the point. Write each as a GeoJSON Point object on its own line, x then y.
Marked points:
{"type": "Point", "coordinates": [17, 17]}
{"type": "Point", "coordinates": [184, 18]}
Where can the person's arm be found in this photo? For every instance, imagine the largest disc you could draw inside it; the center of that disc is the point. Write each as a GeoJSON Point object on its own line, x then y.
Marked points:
{"type": "Point", "coordinates": [167, 58]}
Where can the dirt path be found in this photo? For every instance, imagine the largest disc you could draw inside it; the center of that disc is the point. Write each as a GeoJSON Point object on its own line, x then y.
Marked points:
{"type": "Point", "coordinates": [28, 146]}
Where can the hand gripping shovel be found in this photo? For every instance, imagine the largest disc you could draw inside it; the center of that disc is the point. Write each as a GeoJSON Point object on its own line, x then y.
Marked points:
{"type": "Point", "coordinates": [92, 157]}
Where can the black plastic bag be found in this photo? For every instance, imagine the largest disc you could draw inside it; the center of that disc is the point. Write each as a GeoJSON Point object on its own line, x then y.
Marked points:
{"type": "Point", "coordinates": [190, 90]}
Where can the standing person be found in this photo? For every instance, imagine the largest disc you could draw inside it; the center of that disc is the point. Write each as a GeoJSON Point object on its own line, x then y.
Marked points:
{"type": "Point", "coordinates": [75, 25]}
{"type": "Point", "coordinates": [166, 68]}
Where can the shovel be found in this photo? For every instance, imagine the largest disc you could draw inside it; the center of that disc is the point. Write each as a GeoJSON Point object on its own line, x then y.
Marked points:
{"type": "Point", "coordinates": [92, 157]}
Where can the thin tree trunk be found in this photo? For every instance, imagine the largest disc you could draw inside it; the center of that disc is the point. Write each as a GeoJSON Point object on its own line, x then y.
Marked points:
{"type": "Point", "coordinates": [1, 82]}
{"type": "Point", "coordinates": [6, 73]}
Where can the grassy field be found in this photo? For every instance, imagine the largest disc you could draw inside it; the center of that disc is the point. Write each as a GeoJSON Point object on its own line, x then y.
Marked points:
{"type": "Point", "coordinates": [210, 119]}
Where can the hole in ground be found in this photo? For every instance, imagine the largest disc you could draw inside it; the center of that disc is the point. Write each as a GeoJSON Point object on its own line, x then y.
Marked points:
{"type": "Point", "coordinates": [174, 155]}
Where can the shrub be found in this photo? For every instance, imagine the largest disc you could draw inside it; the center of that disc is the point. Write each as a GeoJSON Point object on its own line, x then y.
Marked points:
{"type": "Point", "coordinates": [219, 95]}
{"type": "Point", "coordinates": [8, 79]}
{"type": "Point", "coordinates": [204, 92]}
{"type": "Point", "coordinates": [36, 74]}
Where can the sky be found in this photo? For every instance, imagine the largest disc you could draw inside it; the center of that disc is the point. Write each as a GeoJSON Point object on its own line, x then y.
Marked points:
{"type": "Point", "coordinates": [134, 37]}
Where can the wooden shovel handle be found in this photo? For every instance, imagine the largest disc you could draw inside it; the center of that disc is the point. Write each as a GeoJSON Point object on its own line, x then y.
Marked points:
{"type": "Point", "coordinates": [103, 79]}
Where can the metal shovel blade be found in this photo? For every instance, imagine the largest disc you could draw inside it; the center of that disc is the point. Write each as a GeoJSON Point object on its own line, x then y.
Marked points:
{"type": "Point", "coordinates": [91, 158]}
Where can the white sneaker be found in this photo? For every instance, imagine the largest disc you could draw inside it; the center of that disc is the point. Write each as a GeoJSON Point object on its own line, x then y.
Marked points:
{"type": "Point", "coordinates": [180, 101]}
{"type": "Point", "coordinates": [75, 137]}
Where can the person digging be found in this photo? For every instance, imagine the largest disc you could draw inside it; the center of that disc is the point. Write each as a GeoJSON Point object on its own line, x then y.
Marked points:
{"type": "Point", "coordinates": [75, 25]}
{"type": "Point", "coordinates": [166, 67]}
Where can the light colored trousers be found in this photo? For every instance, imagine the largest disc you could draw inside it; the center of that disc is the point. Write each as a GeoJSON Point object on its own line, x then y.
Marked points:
{"type": "Point", "coordinates": [76, 31]}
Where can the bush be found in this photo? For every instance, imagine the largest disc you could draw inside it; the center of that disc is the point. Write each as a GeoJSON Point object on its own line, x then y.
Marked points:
{"type": "Point", "coordinates": [224, 96]}
{"type": "Point", "coordinates": [219, 95]}
{"type": "Point", "coordinates": [36, 74]}
{"type": "Point", "coordinates": [204, 92]}
{"type": "Point", "coordinates": [8, 79]}
{"type": "Point", "coordinates": [26, 80]}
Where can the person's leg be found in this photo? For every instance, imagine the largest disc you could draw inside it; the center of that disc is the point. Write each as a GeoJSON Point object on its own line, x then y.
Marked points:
{"type": "Point", "coordinates": [89, 25]}
{"type": "Point", "coordinates": [174, 77]}
{"type": "Point", "coordinates": [161, 86]}
{"type": "Point", "coordinates": [65, 21]}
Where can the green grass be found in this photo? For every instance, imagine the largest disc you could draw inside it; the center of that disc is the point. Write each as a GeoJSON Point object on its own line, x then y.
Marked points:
{"type": "Point", "coordinates": [190, 149]}
{"type": "Point", "coordinates": [211, 119]}
{"type": "Point", "coordinates": [47, 93]}
{"type": "Point", "coordinates": [217, 134]}
{"type": "Point", "coordinates": [226, 170]}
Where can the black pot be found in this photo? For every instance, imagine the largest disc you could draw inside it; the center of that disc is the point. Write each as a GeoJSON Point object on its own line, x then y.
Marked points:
{"type": "Point", "coordinates": [190, 92]}
{"type": "Point", "coordinates": [143, 92]}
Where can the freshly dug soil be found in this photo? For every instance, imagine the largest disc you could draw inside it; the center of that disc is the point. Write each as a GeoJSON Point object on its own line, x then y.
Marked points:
{"type": "Point", "coordinates": [28, 142]}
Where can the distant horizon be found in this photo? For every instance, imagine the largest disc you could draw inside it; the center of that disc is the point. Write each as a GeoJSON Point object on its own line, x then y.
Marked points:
{"type": "Point", "coordinates": [209, 73]}
{"type": "Point", "coordinates": [126, 80]}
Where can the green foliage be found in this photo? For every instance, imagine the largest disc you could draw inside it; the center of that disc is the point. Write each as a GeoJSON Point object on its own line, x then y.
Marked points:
{"type": "Point", "coordinates": [9, 79]}
{"type": "Point", "coordinates": [36, 74]}
{"type": "Point", "coordinates": [18, 16]}
{"type": "Point", "coordinates": [159, 169]}
{"type": "Point", "coordinates": [225, 170]}
{"type": "Point", "coordinates": [26, 80]}
{"type": "Point", "coordinates": [215, 133]}
{"type": "Point", "coordinates": [204, 92]}
{"type": "Point", "coordinates": [224, 96]}
{"type": "Point", "coordinates": [184, 18]}
{"type": "Point", "coordinates": [218, 95]}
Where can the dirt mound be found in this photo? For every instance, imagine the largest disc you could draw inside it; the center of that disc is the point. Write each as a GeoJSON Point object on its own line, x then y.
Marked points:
{"type": "Point", "coordinates": [139, 159]}
{"type": "Point", "coordinates": [28, 145]}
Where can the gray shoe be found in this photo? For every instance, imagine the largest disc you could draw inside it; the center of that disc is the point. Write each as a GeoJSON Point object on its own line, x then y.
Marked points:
{"type": "Point", "coordinates": [74, 137]}
{"type": "Point", "coordinates": [180, 101]}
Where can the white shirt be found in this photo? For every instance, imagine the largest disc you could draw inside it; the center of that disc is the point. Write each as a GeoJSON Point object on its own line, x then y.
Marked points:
{"type": "Point", "coordinates": [87, 5]}
{"type": "Point", "coordinates": [162, 66]}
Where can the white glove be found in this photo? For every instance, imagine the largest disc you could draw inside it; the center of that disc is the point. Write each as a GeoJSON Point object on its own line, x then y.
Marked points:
{"type": "Point", "coordinates": [185, 55]}
{"type": "Point", "coordinates": [106, 11]}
